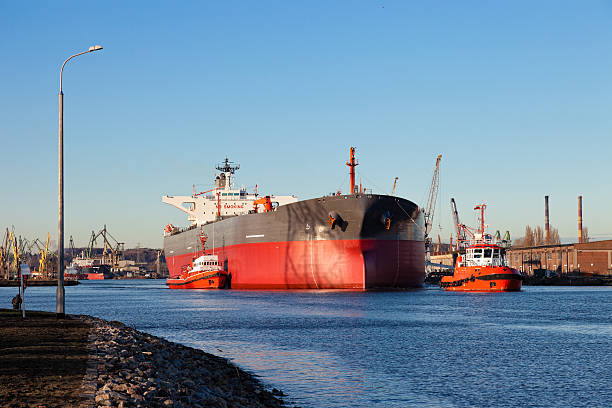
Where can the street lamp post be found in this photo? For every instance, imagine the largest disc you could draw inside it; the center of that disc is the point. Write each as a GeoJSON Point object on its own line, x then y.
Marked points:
{"type": "Point", "coordinates": [60, 197]}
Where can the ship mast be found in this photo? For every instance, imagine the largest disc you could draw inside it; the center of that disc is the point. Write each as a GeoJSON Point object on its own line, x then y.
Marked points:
{"type": "Point", "coordinates": [352, 163]}
{"type": "Point", "coordinates": [481, 207]}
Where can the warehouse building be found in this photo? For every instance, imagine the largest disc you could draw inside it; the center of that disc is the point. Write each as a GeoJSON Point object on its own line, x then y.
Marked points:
{"type": "Point", "coordinates": [589, 258]}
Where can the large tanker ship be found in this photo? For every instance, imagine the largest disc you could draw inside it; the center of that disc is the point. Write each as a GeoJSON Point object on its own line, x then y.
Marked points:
{"type": "Point", "coordinates": [352, 241]}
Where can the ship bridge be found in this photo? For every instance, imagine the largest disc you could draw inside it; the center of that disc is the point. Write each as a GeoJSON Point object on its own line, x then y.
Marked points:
{"type": "Point", "coordinates": [223, 200]}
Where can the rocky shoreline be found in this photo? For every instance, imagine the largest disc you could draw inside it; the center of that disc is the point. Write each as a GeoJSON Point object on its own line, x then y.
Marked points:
{"type": "Point", "coordinates": [129, 368]}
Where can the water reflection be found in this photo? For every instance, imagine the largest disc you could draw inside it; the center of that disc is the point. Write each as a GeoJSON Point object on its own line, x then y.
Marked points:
{"type": "Point", "coordinates": [384, 349]}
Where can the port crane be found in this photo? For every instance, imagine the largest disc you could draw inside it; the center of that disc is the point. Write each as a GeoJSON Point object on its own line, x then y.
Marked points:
{"type": "Point", "coordinates": [71, 246]}
{"type": "Point", "coordinates": [463, 231]}
{"type": "Point", "coordinates": [4, 254]}
{"type": "Point", "coordinates": [17, 249]}
{"type": "Point", "coordinates": [112, 251]}
{"type": "Point", "coordinates": [42, 261]}
{"type": "Point", "coordinates": [428, 212]}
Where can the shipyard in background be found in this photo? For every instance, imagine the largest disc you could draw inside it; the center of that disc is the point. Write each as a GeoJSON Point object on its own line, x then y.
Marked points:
{"type": "Point", "coordinates": [103, 258]}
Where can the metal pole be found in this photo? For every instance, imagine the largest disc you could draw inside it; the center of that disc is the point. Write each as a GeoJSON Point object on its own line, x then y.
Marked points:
{"type": "Point", "coordinates": [60, 215]}
{"type": "Point", "coordinates": [60, 313]}
{"type": "Point", "coordinates": [22, 290]}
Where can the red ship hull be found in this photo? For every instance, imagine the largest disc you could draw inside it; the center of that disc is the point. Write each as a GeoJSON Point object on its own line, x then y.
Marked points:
{"type": "Point", "coordinates": [202, 280]}
{"type": "Point", "coordinates": [96, 276]}
{"type": "Point", "coordinates": [333, 264]}
{"type": "Point", "coordinates": [332, 242]}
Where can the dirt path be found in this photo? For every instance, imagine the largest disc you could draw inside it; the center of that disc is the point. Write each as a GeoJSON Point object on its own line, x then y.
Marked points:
{"type": "Point", "coordinates": [42, 359]}
{"type": "Point", "coordinates": [44, 363]}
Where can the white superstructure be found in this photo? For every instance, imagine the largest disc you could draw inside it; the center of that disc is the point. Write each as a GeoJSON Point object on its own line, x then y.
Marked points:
{"type": "Point", "coordinates": [224, 200]}
{"type": "Point", "coordinates": [205, 263]}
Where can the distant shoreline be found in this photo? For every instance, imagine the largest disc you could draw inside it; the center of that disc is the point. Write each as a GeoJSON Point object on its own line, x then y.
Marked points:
{"type": "Point", "coordinates": [10, 283]}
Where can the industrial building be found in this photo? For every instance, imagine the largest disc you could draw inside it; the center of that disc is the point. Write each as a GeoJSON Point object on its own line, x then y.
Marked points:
{"type": "Point", "coordinates": [590, 258]}
{"type": "Point", "coordinates": [586, 258]}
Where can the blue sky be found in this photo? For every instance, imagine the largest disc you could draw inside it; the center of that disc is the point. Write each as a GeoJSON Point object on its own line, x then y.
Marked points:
{"type": "Point", "coordinates": [516, 96]}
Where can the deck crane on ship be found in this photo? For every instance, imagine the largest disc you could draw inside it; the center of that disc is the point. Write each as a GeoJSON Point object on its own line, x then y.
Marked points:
{"type": "Point", "coordinates": [394, 185]}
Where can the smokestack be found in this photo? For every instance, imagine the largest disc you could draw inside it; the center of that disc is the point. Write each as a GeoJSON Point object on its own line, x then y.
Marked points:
{"type": "Point", "coordinates": [579, 218]}
{"type": "Point", "coordinates": [546, 220]}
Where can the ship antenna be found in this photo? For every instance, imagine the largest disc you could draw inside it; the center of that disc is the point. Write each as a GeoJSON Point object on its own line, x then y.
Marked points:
{"type": "Point", "coordinates": [481, 207]}
{"type": "Point", "coordinates": [228, 166]}
{"type": "Point", "coordinates": [203, 239]}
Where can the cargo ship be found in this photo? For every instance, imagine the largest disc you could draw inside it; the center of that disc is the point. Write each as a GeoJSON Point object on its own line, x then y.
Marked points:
{"type": "Point", "coordinates": [483, 267]}
{"type": "Point", "coordinates": [339, 241]}
{"type": "Point", "coordinates": [85, 268]}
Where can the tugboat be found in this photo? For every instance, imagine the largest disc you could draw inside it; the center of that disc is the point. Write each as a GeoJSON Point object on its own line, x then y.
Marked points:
{"type": "Point", "coordinates": [203, 272]}
{"type": "Point", "coordinates": [483, 267]}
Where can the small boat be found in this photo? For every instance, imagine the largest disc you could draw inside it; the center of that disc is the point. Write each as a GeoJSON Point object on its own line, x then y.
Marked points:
{"type": "Point", "coordinates": [203, 272]}
{"type": "Point", "coordinates": [483, 267]}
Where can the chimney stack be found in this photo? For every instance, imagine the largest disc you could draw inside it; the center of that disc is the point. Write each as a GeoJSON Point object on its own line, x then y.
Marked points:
{"type": "Point", "coordinates": [546, 221]}
{"type": "Point", "coordinates": [580, 218]}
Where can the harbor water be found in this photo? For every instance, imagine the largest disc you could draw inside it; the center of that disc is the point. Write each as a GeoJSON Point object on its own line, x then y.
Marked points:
{"type": "Point", "coordinates": [542, 347]}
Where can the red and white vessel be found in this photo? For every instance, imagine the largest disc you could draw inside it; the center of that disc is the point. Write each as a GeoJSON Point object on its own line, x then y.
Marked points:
{"type": "Point", "coordinates": [203, 273]}
{"type": "Point", "coordinates": [358, 240]}
{"type": "Point", "coordinates": [483, 267]}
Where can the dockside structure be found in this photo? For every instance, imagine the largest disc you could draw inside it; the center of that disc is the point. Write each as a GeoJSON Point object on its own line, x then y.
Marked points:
{"type": "Point", "coordinates": [590, 258]}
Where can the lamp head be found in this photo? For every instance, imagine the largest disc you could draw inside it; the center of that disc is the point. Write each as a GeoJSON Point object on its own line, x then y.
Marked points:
{"type": "Point", "coordinates": [95, 48]}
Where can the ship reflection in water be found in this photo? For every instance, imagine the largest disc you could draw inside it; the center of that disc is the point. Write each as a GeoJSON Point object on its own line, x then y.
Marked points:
{"type": "Point", "coordinates": [428, 347]}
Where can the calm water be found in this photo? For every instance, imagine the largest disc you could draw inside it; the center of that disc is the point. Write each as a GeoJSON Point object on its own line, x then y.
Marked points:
{"type": "Point", "coordinates": [542, 347]}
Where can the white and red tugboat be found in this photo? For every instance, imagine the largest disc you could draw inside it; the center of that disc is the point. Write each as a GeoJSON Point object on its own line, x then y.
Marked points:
{"type": "Point", "coordinates": [203, 273]}
{"type": "Point", "coordinates": [483, 267]}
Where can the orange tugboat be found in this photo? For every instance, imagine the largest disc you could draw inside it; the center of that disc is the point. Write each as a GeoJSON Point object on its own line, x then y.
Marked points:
{"type": "Point", "coordinates": [483, 267]}
{"type": "Point", "coordinates": [203, 272]}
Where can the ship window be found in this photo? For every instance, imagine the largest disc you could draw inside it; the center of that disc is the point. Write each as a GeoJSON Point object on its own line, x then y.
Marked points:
{"type": "Point", "coordinates": [478, 253]}
{"type": "Point", "coordinates": [487, 252]}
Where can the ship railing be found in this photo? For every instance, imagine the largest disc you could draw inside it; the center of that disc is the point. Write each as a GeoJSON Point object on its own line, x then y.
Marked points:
{"type": "Point", "coordinates": [489, 240]}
